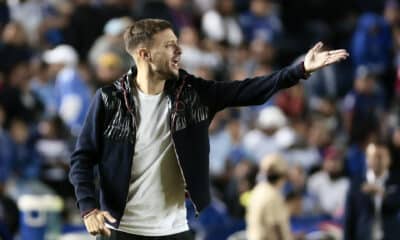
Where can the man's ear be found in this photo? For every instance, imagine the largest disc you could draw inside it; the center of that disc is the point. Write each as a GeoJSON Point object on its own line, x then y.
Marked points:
{"type": "Point", "coordinates": [144, 54]}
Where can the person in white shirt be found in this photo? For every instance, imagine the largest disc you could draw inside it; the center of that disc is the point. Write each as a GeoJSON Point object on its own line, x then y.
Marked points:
{"type": "Point", "coordinates": [329, 186]}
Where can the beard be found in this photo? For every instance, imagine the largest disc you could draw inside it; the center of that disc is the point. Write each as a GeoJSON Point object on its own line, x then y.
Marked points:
{"type": "Point", "coordinates": [164, 70]}
{"type": "Point", "coordinates": [334, 175]}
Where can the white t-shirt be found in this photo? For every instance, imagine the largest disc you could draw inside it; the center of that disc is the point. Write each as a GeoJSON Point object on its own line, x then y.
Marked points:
{"type": "Point", "coordinates": [377, 228]}
{"type": "Point", "coordinates": [330, 194]}
{"type": "Point", "coordinates": [156, 199]}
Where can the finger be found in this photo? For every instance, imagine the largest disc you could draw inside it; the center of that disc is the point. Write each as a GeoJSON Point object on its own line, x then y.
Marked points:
{"type": "Point", "coordinates": [94, 226]}
{"type": "Point", "coordinates": [100, 221]}
{"type": "Point", "coordinates": [86, 223]}
{"type": "Point", "coordinates": [88, 228]}
{"type": "Point", "coordinates": [93, 229]}
{"type": "Point", "coordinates": [338, 51]}
{"type": "Point", "coordinates": [317, 47]}
{"type": "Point", "coordinates": [333, 59]}
{"type": "Point", "coordinates": [106, 232]}
{"type": "Point", "coordinates": [108, 216]}
{"type": "Point", "coordinates": [89, 225]}
{"type": "Point", "coordinates": [338, 56]}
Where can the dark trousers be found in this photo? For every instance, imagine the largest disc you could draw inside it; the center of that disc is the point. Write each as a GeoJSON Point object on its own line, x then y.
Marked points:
{"type": "Point", "coordinates": [118, 235]}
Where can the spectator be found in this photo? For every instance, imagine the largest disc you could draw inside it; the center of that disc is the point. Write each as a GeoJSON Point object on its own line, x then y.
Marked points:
{"type": "Point", "coordinates": [328, 186]}
{"type": "Point", "coordinates": [365, 101]}
{"type": "Point", "coordinates": [193, 57]}
{"type": "Point", "coordinates": [261, 22]}
{"type": "Point", "coordinates": [262, 56]}
{"type": "Point", "coordinates": [263, 140]}
{"type": "Point", "coordinates": [26, 164]}
{"type": "Point", "coordinates": [220, 24]}
{"type": "Point", "coordinates": [292, 101]}
{"type": "Point", "coordinates": [26, 161]}
{"type": "Point", "coordinates": [53, 147]}
{"type": "Point", "coordinates": [9, 216]}
{"type": "Point", "coordinates": [29, 14]}
{"type": "Point", "coordinates": [87, 22]}
{"type": "Point", "coordinates": [391, 12]}
{"type": "Point", "coordinates": [296, 186]}
{"type": "Point", "coordinates": [109, 66]}
{"type": "Point", "coordinates": [56, 17]}
{"type": "Point", "coordinates": [394, 147]}
{"type": "Point", "coordinates": [267, 214]}
{"type": "Point", "coordinates": [8, 209]}
{"type": "Point", "coordinates": [4, 14]}
{"type": "Point", "coordinates": [72, 92]}
{"type": "Point", "coordinates": [241, 182]}
{"type": "Point", "coordinates": [220, 143]}
{"type": "Point", "coordinates": [372, 43]}
{"type": "Point", "coordinates": [112, 42]}
{"type": "Point", "coordinates": [175, 11]}
{"type": "Point", "coordinates": [14, 45]}
{"type": "Point", "coordinates": [302, 142]}
{"type": "Point", "coordinates": [42, 85]}
{"type": "Point", "coordinates": [6, 153]}
{"type": "Point", "coordinates": [18, 99]}
{"type": "Point", "coordinates": [373, 202]}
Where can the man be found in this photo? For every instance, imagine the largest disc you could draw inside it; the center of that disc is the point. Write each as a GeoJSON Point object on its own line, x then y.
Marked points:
{"type": "Point", "coordinates": [328, 186]}
{"type": "Point", "coordinates": [373, 203]}
{"type": "Point", "coordinates": [71, 89]}
{"type": "Point", "coordinates": [148, 136]}
{"type": "Point", "coordinates": [267, 214]}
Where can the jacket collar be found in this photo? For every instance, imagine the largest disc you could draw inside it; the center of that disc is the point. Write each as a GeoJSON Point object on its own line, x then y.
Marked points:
{"type": "Point", "coordinates": [126, 82]}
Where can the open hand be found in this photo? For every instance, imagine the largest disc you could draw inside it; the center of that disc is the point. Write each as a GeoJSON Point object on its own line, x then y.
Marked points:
{"type": "Point", "coordinates": [316, 59]}
{"type": "Point", "coordinates": [94, 222]}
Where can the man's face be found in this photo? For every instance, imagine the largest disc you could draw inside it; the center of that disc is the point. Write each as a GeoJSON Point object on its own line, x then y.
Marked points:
{"type": "Point", "coordinates": [378, 158]}
{"type": "Point", "coordinates": [165, 54]}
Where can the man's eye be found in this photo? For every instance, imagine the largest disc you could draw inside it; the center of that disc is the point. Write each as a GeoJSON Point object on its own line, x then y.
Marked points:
{"type": "Point", "coordinates": [170, 45]}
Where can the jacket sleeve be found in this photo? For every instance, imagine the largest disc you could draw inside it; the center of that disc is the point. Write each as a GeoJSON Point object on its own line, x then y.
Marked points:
{"type": "Point", "coordinates": [391, 200]}
{"type": "Point", "coordinates": [251, 91]}
{"type": "Point", "coordinates": [86, 155]}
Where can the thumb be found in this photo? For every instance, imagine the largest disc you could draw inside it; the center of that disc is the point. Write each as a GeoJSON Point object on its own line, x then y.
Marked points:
{"type": "Point", "coordinates": [108, 216]}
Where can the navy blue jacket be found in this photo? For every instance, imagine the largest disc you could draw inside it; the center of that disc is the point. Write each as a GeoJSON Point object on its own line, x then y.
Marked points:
{"type": "Point", "coordinates": [108, 134]}
{"type": "Point", "coordinates": [360, 209]}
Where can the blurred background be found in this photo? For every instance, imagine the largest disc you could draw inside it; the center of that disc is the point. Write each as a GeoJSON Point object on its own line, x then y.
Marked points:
{"type": "Point", "coordinates": [55, 53]}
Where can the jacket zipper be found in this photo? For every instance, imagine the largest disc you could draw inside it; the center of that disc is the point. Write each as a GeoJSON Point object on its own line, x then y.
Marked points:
{"type": "Point", "coordinates": [172, 121]}
{"type": "Point", "coordinates": [130, 110]}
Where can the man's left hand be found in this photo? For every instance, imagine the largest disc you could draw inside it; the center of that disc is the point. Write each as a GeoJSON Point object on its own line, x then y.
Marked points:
{"type": "Point", "coordinates": [373, 189]}
{"type": "Point", "coordinates": [316, 58]}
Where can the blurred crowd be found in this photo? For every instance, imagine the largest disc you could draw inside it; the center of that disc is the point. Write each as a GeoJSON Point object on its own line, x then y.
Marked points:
{"type": "Point", "coordinates": [327, 146]}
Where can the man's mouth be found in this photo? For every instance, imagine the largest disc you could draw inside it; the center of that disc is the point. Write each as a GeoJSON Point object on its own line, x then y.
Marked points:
{"type": "Point", "coordinates": [175, 62]}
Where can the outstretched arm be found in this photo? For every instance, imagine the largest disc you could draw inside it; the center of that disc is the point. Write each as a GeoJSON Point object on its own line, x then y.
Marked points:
{"type": "Point", "coordinates": [255, 91]}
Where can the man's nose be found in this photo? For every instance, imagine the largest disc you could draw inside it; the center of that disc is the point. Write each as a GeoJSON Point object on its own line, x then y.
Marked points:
{"type": "Point", "coordinates": [178, 50]}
